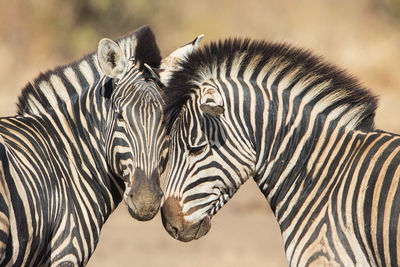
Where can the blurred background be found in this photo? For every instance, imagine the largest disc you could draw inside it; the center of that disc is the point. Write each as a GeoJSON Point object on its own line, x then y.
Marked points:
{"type": "Point", "coordinates": [362, 36]}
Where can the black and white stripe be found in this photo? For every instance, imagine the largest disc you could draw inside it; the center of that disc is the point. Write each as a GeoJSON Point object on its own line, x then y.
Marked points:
{"type": "Point", "coordinates": [80, 143]}
{"type": "Point", "coordinates": [304, 130]}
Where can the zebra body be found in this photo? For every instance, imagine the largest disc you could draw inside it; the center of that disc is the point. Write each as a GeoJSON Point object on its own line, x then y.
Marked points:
{"type": "Point", "coordinates": [304, 131]}
{"type": "Point", "coordinates": [86, 136]}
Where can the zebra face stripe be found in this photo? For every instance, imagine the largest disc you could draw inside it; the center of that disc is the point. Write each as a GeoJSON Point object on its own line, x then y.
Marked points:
{"type": "Point", "coordinates": [136, 141]}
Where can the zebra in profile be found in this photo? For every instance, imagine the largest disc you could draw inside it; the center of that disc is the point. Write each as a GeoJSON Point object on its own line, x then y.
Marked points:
{"type": "Point", "coordinates": [304, 131]}
{"type": "Point", "coordinates": [86, 135]}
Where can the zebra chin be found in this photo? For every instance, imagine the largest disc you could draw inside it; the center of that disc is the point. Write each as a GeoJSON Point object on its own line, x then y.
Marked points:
{"type": "Point", "coordinates": [143, 216]}
{"type": "Point", "coordinates": [178, 227]}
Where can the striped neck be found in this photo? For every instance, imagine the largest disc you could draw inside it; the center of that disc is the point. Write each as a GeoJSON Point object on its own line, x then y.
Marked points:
{"type": "Point", "coordinates": [299, 110]}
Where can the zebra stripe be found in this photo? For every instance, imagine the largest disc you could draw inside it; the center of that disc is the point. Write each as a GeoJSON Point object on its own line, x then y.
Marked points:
{"type": "Point", "coordinates": [304, 130]}
{"type": "Point", "coordinates": [75, 149]}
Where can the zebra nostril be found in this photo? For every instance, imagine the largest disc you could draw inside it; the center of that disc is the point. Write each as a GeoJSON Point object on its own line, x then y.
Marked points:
{"type": "Point", "coordinates": [175, 231]}
{"type": "Point", "coordinates": [154, 209]}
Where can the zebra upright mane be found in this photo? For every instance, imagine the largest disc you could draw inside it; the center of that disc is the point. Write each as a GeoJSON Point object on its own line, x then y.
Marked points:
{"type": "Point", "coordinates": [66, 82]}
{"type": "Point", "coordinates": [244, 56]}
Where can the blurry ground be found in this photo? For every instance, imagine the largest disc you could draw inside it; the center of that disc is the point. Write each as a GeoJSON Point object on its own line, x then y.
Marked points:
{"type": "Point", "coordinates": [242, 234]}
{"type": "Point", "coordinates": [362, 36]}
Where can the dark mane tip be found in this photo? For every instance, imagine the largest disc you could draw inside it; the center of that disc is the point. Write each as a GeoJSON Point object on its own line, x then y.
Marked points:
{"type": "Point", "coordinates": [146, 50]}
{"type": "Point", "coordinates": [23, 98]}
{"type": "Point", "coordinates": [215, 53]}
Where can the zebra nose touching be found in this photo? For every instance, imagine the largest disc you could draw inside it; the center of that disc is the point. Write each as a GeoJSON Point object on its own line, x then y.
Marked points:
{"type": "Point", "coordinates": [180, 228]}
{"type": "Point", "coordinates": [143, 198]}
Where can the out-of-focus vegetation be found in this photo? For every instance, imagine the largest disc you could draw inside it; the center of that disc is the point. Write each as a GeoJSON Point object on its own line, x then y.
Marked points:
{"type": "Point", "coordinates": [68, 27]}
{"type": "Point", "coordinates": [391, 8]}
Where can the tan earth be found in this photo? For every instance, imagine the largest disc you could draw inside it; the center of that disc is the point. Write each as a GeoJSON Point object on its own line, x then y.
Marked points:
{"type": "Point", "coordinates": [244, 233]}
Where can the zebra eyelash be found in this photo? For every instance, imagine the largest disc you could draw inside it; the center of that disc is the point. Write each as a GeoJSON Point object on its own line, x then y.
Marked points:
{"type": "Point", "coordinates": [118, 114]}
{"type": "Point", "coordinates": [196, 150]}
{"type": "Point", "coordinates": [120, 118]}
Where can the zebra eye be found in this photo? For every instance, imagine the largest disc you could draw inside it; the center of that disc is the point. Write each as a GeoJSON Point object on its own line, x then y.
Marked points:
{"type": "Point", "coordinates": [196, 150]}
{"type": "Point", "coordinates": [119, 117]}
{"type": "Point", "coordinates": [161, 168]}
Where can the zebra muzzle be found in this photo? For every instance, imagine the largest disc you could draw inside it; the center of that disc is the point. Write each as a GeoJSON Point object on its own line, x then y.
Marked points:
{"type": "Point", "coordinates": [144, 196]}
{"type": "Point", "coordinates": [180, 228]}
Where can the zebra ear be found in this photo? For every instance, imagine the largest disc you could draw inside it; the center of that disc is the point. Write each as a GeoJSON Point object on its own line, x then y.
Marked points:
{"type": "Point", "coordinates": [112, 60]}
{"type": "Point", "coordinates": [171, 63]}
{"type": "Point", "coordinates": [153, 72]}
{"type": "Point", "coordinates": [211, 101]}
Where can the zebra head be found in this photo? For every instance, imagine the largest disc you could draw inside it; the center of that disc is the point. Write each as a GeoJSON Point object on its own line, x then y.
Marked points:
{"type": "Point", "coordinates": [201, 178]}
{"type": "Point", "coordinates": [209, 154]}
{"type": "Point", "coordinates": [135, 137]}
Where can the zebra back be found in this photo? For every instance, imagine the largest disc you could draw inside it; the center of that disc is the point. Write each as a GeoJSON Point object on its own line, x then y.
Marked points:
{"type": "Point", "coordinates": [59, 85]}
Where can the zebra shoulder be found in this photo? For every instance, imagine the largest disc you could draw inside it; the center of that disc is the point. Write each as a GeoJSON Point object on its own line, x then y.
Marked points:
{"type": "Point", "coordinates": [3, 151]}
{"type": "Point", "coordinates": [4, 200]}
